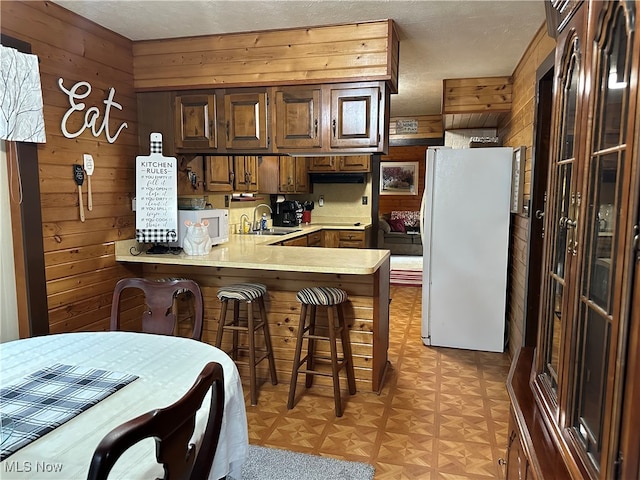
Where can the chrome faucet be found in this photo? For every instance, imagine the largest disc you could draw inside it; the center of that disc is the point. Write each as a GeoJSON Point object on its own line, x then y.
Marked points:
{"type": "Point", "coordinates": [244, 217]}
{"type": "Point", "coordinates": [256, 226]}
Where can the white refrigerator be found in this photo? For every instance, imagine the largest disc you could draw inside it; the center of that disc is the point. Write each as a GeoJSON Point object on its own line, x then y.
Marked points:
{"type": "Point", "coordinates": [465, 235]}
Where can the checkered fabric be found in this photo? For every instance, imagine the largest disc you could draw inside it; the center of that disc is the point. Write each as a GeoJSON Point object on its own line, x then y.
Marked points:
{"type": "Point", "coordinates": [242, 291]}
{"type": "Point", "coordinates": [321, 296]}
{"type": "Point", "coordinates": [50, 397]}
{"type": "Point", "coordinates": [156, 235]}
{"type": "Point", "coordinates": [156, 147]}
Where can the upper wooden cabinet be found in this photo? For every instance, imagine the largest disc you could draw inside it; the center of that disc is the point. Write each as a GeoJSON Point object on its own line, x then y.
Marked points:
{"type": "Point", "coordinates": [246, 173]}
{"type": "Point", "coordinates": [195, 122]}
{"type": "Point", "coordinates": [337, 163]}
{"type": "Point", "coordinates": [355, 117]}
{"type": "Point", "coordinates": [246, 119]}
{"type": "Point", "coordinates": [293, 175]}
{"type": "Point", "coordinates": [219, 174]}
{"type": "Point", "coordinates": [297, 117]}
{"type": "Point", "coordinates": [331, 119]}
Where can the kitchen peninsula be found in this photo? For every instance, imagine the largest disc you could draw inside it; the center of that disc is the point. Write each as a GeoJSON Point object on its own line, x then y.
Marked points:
{"type": "Point", "coordinates": [362, 273]}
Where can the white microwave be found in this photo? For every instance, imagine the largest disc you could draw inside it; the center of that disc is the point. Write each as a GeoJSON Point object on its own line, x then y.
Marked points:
{"type": "Point", "coordinates": [218, 219]}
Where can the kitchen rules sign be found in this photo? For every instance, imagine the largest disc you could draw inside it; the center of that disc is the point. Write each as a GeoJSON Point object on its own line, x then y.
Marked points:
{"type": "Point", "coordinates": [156, 195]}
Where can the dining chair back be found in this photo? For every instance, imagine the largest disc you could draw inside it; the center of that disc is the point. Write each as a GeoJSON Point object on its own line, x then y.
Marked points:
{"type": "Point", "coordinates": [159, 316]}
{"type": "Point", "coordinates": [172, 428]}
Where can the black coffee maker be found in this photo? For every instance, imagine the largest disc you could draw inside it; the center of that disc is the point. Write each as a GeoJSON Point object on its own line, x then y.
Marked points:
{"type": "Point", "coordinates": [286, 213]}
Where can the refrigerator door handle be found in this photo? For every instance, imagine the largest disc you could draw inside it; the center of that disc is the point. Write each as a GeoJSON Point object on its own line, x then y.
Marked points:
{"type": "Point", "coordinates": [422, 202]}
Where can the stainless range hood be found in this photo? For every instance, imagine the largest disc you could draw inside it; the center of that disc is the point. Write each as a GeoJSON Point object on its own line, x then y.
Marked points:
{"type": "Point", "coordinates": [338, 177]}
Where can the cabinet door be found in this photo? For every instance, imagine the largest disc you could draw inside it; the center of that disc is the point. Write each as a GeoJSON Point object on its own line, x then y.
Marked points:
{"type": "Point", "coordinates": [298, 117]}
{"type": "Point", "coordinates": [301, 175]}
{"type": "Point", "coordinates": [195, 122]}
{"type": "Point", "coordinates": [357, 163]}
{"type": "Point", "coordinates": [219, 174]}
{"type": "Point", "coordinates": [354, 117]}
{"type": "Point", "coordinates": [246, 121]}
{"type": "Point", "coordinates": [323, 164]}
{"type": "Point", "coordinates": [586, 301]}
{"type": "Point", "coordinates": [296, 242]}
{"type": "Point", "coordinates": [331, 238]}
{"type": "Point", "coordinates": [246, 168]}
{"type": "Point", "coordinates": [286, 175]}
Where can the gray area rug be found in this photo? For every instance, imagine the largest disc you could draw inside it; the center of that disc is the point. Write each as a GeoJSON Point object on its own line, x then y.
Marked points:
{"type": "Point", "coordinates": [275, 464]}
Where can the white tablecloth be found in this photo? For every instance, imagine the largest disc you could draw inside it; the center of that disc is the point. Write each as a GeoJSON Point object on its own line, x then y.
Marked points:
{"type": "Point", "coordinates": [167, 367]}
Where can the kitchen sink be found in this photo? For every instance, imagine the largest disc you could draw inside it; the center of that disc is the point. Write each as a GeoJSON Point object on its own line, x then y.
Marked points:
{"type": "Point", "coordinates": [274, 231]}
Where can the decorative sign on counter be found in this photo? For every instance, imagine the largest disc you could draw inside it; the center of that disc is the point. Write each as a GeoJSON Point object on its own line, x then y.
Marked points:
{"type": "Point", "coordinates": [156, 195]}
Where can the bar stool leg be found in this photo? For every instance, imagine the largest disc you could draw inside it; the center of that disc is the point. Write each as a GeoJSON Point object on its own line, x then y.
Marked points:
{"type": "Point", "coordinates": [346, 351]}
{"type": "Point", "coordinates": [267, 341]}
{"type": "Point", "coordinates": [236, 322]}
{"type": "Point", "coordinates": [296, 356]}
{"type": "Point", "coordinates": [221, 323]}
{"type": "Point", "coordinates": [252, 354]}
{"type": "Point", "coordinates": [333, 344]}
{"type": "Point", "coordinates": [311, 348]}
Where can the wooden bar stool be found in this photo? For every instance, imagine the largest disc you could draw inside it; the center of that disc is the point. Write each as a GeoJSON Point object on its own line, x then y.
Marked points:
{"type": "Point", "coordinates": [332, 298]}
{"type": "Point", "coordinates": [248, 293]}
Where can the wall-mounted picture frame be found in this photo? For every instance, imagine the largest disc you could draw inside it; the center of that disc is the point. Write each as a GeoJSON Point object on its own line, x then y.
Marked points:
{"type": "Point", "coordinates": [398, 178]}
{"type": "Point", "coordinates": [517, 179]}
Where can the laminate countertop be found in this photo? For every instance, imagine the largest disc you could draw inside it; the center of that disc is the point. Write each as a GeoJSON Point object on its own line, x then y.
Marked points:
{"type": "Point", "coordinates": [260, 252]}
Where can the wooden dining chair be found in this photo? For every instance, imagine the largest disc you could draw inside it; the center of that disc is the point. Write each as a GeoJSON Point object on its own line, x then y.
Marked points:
{"type": "Point", "coordinates": [160, 316]}
{"type": "Point", "coordinates": [172, 428]}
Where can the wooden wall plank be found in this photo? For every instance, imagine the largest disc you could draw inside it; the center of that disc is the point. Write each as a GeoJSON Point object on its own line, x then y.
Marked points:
{"type": "Point", "coordinates": [324, 54]}
{"type": "Point", "coordinates": [79, 258]}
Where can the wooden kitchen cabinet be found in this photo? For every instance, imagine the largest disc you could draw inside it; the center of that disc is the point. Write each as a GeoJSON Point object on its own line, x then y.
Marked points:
{"type": "Point", "coordinates": [246, 119]}
{"type": "Point", "coordinates": [219, 174]}
{"type": "Point", "coordinates": [195, 123]}
{"type": "Point", "coordinates": [345, 163]}
{"type": "Point", "coordinates": [296, 242]}
{"type": "Point", "coordinates": [516, 463]}
{"type": "Point", "coordinates": [315, 239]}
{"type": "Point", "coordinates": [354, 117]}
{"type": "Point", "coordinates": [297, 117]}
{"type": "Point", "coordinates": [344, 238]}
{"type": "Point", "coordinates": [246, 173]}
{"type": "Point", "coordinates": [293, 175]}
{"type": "Point", "coordinates": [155, 114]}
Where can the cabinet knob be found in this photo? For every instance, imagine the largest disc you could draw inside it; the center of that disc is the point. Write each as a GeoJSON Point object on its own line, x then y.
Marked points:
{"type": "Point", "coordinates": [333, 126]}
{"type": "Point", "coordinates": [227, 130]}
{"type": "Point", "coordinates": [315, 128]}
{"type": "Point", "coordinates": [502, 462]}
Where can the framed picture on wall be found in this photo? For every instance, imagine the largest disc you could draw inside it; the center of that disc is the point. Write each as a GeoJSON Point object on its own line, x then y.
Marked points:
{"type": "Point", "coordinates": [398, 178]}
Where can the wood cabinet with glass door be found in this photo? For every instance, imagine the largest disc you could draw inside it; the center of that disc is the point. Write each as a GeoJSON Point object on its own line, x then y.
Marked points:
{"type": "Point", "coordinates": [587, 330]}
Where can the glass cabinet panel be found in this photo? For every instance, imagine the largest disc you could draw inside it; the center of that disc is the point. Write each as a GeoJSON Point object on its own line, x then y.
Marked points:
{"type": "Point", "coordinates": [596, 322]}
{"type": "Point", "coordinates": [560, 221]}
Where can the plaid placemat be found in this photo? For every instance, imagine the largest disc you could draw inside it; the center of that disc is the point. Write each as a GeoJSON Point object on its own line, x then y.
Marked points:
{"type": "Point", "coordinates": [48, 398]}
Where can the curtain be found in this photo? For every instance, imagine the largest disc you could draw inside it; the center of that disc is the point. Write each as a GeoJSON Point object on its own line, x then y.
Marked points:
{"type": "Point", "coordinates": [21, 116]}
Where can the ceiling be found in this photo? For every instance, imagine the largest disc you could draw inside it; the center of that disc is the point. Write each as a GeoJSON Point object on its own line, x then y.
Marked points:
{"type": "Point", "coordinates": [438, 39]}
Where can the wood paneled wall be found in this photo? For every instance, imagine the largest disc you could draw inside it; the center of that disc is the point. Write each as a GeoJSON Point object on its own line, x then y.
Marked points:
{"type": "Point", "coordinates": [81, 270]}
{"type": "Point", "coordinates": [429, 126]}
{"type": "Point", "coordinates": [337, 53]}
{"type": "Point", "coordinates": [518, 130]}
{"type": "Point", "coordinates": [387, 203]}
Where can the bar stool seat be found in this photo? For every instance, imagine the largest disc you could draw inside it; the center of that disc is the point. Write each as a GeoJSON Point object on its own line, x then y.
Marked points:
{"type": "Point", "coordinates": [331, 298]}
{"type": "Point", "coordinates": [247, 293]}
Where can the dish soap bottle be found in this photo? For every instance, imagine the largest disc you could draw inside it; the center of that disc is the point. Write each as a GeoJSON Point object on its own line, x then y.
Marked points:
{"type": "Point", "coordinates": [263, 222]}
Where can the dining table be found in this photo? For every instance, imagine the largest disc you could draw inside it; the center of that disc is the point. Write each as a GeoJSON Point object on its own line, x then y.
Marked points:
{"type": "Point", "coordinates": [158, 369]}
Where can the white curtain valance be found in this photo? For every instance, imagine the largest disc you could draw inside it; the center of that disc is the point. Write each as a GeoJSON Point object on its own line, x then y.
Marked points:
{"type": "Point", "coordinates": [21, 116]}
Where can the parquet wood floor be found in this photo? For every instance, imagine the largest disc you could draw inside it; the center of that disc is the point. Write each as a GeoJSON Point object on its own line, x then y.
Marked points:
{"type": "Point", "coordinates": [442, 413]}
